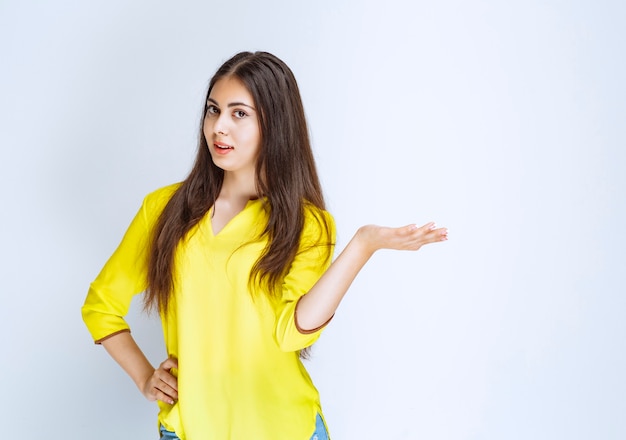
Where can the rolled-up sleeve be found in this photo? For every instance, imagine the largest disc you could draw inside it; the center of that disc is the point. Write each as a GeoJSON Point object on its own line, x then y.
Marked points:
{"type": "Point", "coordinates": [313, 258]}
{"type": "Point", "coordinates": [123, 276]}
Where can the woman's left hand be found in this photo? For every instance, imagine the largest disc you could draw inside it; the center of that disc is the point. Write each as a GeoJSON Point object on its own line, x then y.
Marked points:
{"type": "Point", "coordinates": [320, 303]}
{"type": "Point", "coordinates": [410, 237]}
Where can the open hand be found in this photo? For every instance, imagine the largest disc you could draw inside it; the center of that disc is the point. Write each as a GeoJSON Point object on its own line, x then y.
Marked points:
{"type": "Point", "coordinates": [410, 237]}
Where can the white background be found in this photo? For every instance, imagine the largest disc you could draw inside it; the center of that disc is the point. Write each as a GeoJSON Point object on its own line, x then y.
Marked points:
{"type": "Point", "coordinates": [504, 121]}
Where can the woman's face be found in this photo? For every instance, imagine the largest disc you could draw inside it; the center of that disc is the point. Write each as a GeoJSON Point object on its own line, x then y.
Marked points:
{"type": "Point", "coordinates": [231, 127]}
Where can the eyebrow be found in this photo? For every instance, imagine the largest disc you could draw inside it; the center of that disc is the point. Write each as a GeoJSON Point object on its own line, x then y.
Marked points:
{"type": "Point", "coordinates": [232, 104]}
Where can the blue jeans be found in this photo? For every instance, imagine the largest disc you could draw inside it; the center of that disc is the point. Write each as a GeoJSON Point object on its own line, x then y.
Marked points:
{"type": "Point", "coordinates": [319, 434]}
{"type": "Point", "coordinates": [320, 429]}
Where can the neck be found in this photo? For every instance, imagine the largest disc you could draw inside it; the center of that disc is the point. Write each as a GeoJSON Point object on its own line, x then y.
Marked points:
{"type": "Point", "coordinates": [238, 187]}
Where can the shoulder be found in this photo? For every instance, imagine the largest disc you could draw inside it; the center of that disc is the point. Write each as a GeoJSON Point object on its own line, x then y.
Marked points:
{"type": "Point", "coordinates": [155, 201]}
{"type": "Point", "coordinates": [313, 213]}
{"type": "Point", "coordinates": [318, 223]}
{"type": "Point", "coordinates": [165, 192]}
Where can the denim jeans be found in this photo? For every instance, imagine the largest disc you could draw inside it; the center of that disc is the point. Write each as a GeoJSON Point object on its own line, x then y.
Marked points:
{"type": "Point", "coordinates": [320, 429]}
{"type": "Point", "coordinates": [168, 435]}
{"type": "Point", "coordinates": [319, 434]}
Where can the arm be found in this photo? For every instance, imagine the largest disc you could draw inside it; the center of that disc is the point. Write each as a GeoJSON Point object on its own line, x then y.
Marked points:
{"type": "Point", "coordinates": [320, 303]}
{"type": "Point", "coordinates": [109, 299]}
{"type": "Point", "coordinates": [153, 383]}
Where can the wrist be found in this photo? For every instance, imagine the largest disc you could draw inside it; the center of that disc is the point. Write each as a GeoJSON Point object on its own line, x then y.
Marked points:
{"type": "Point", "coordinates": [143, 379]}
{"type": "Point", "coordinates": [362, 243]}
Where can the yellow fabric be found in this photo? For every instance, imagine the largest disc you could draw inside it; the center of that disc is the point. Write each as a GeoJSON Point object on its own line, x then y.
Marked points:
{"type": "Point", "coordinates": [240, 376]}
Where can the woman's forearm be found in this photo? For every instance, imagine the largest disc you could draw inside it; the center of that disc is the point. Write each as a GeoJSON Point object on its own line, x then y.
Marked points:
{"type": "Point", "coordinates": [320, 303]}
{"type": "Point", "coordinates": [154, 384]}
{"type": "Point", "coordinates": [125, 351]}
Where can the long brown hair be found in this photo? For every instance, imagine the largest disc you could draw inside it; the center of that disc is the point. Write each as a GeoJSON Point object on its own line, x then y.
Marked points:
{"type": "Point", "coordinates": [285, 170]}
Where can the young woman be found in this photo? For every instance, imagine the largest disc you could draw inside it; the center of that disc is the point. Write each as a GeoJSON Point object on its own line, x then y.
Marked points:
{"type": "Point", "coordinates": [237, 261]}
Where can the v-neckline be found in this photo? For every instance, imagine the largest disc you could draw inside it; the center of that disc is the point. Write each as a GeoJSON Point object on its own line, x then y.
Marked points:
{"type": "Point", "coordinates": [229, 222]}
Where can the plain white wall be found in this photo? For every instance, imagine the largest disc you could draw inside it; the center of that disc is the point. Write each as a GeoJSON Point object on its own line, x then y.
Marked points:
{"type": "Point", "coordinates": [502, 120]}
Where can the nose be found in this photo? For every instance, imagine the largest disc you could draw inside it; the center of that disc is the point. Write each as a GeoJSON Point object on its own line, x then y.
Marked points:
{"type": "Point", "coordinates": [220, 126]}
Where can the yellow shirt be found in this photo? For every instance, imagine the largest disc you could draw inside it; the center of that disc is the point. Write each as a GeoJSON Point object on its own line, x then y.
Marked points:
{"type": "Point", "coordinates": [240, 376]}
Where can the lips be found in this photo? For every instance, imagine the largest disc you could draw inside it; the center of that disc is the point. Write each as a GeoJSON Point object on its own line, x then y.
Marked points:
{"type": "Point", "coordinates": [222, 148]}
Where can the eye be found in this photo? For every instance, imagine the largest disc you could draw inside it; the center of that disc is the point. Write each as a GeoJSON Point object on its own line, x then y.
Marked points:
{"type": "Point", "coordinates": [240, 114]}
{"type": "Point", "coordinates": [212, 110]}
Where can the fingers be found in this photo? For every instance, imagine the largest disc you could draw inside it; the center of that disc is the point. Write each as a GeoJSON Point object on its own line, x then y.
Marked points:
{"type": "Point", "coordinates": [163, 385]}
{"type": "Point", "coordinates": [165, 393]}
{"type": "Point", "coordinates": [438, 234]}
{"type": "Point", "coordinates": [166, 382]}
{"type": "Point", "coordinates": [417, 236]}
{"type": "Point", "coordinates": [169, 363]}
{"type": "Point", "coordinates": [410, 237]}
